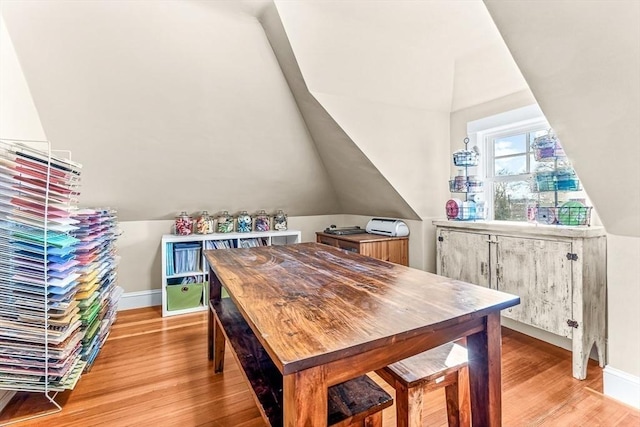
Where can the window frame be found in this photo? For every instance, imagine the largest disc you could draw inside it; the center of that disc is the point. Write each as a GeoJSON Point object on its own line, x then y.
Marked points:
{"type": "Point", "coordinates": [487, 138]}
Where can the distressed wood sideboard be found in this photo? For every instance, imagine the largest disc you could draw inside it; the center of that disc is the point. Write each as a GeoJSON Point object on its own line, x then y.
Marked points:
{"type": "Point", "coordinates": [558, 272]}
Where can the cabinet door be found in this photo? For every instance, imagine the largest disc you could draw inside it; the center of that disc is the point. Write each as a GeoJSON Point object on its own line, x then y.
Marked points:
{"type": "Point", "coordinates": [387, 250]}
{"type": "Point", "coordinates": [463, 256]}
{"type": "Point", "coordinates": [399, 251]}
{"type": "Point", "coordinates": [539, 272]}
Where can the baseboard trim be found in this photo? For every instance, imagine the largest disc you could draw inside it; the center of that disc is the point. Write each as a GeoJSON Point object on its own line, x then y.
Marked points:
{"type": "Point", "coordinates": [140, 299]}
{"type": "Point", "coordinates": [5, 397]}
{"type": "Point", "coordinates": [622, 386]}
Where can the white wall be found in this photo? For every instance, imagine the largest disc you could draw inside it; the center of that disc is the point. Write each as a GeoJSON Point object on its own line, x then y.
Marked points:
{"type": "Point", "coordinates": [622, 373]}
{"type": "Point", "coordinates": [623, 294]}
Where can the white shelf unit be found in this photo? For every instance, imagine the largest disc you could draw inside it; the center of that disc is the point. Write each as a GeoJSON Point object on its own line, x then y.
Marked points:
{"type": "Point", "coordinates": [205, 242]}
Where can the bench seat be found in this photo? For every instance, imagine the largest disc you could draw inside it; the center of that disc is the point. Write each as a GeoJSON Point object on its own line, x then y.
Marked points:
{"type": "Point", "coordinates": [356, 402]}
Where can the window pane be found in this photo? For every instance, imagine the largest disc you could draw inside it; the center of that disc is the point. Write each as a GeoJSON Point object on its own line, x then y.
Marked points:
{"type": "Point", "coordinates": [533, 163]}
{"type": "Point", "coordinates": [511, 165]}
{"type": "Point", "coordinates": [513, 144]}
{"type": "Point", "coordinates": [511, 200]}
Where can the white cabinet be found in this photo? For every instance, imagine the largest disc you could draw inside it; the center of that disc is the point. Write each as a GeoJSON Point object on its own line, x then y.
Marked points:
{"type": "Point", "coordinates": [558, 272]}
{"type": "Point", "coordinates": [184, 269]}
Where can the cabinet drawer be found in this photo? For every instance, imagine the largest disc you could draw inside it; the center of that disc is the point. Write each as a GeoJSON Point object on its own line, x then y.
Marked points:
{"type": "Point", "coordinates": [327, 241]}
{"type": "Point", "coordinates": [349, 246]}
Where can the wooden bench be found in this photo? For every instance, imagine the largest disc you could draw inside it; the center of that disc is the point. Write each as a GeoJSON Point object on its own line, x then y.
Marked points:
{"type": "Point", "coordinates": [358, 402]}
{"type": "Point", "coordinates": [412, 378]}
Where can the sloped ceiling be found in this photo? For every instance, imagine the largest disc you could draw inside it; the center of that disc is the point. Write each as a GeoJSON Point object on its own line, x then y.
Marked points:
{"type": "Point", "coordinates": [17, 120]}
{"type": "Point", "coordinates": [430, 55]}
{"type": "Point", "coordinates": [582, 62]}
{"type": "Point", "coordinates": [390, 73]}
{"type": "Point", "coordinates": [359, 185]}
{"type": "Point", "coordinates": [333, 107]}
{"type": "Point", "coordinates": [169, 106]}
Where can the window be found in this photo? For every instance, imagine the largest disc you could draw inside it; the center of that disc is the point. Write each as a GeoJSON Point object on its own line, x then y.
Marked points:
{"type": "Point", "coordinates": [509, 165]}
{"type": "Point", "coordinates": [507, 161]}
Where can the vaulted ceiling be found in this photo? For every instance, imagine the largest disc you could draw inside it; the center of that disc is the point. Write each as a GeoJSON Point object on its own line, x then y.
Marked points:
{"type": "Point", "coordinates": [324, 107]}
{"type": "Point", "coordinates": [317, 106]}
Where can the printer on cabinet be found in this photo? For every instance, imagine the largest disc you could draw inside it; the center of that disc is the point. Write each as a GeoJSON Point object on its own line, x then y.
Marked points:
{"type": "Point", "coordinates": [387, 227]}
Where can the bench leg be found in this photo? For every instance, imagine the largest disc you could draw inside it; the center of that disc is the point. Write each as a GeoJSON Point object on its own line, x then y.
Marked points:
{"type": "Point", "coordinates": [409, 405]}
{"type": "Point", "coordinates": [453, 405]}
{"type": "Point", "coordinates": [464, 397]}
{"type": "Point", "coordinates": [373, 420]}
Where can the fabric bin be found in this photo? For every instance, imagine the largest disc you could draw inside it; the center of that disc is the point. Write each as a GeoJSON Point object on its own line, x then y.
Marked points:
{"type": "Point", "coordinates": [181, 297]}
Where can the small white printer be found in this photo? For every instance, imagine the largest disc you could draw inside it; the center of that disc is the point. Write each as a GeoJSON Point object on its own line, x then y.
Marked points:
{"type": "Point", "coordinates": [387, 227]}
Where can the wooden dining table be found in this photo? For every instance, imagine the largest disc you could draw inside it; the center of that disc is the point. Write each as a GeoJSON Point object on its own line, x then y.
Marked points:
{"type": "Point", "coordinates": [325, 316]}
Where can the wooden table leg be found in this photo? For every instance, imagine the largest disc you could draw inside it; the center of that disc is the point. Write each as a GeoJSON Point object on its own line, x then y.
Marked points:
{"type": "Point", "coordinates": [305, 398]}
{"type": "Point", "coordinates": [485, 378]}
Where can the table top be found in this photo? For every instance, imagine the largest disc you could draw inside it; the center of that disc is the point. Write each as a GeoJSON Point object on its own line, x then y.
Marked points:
{"type": "Point", "coordinates": [311, 304]}
{"type": "Point", "coordinates": [361, 238]}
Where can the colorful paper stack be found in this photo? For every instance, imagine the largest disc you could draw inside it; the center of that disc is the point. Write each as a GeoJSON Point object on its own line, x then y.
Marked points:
{"type": "Point", "coordinates": [40, 323]}
{"type": "Point", "coordinates": [98, 294]}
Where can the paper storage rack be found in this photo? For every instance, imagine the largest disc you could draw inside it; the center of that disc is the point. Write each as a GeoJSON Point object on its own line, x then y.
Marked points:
{"type": "Point", "coordinates": [553, 181]}
{"type": "Point", "coordinates": [184, 269]}
{"type": "Point", "coordinates": [98, 293]}
{"type": "Point", "coordinates": [40, 325]}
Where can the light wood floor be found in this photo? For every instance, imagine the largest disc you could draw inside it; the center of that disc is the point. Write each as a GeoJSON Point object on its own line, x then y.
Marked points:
{"type": "Point", "coordinates": [154, 372]}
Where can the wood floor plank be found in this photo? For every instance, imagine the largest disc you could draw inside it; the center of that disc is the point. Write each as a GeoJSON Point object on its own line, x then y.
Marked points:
{"type": "Point", "coordinates": [154, 372]}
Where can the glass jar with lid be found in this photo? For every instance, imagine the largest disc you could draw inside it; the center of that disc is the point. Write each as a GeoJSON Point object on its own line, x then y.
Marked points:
{"type": "Point", "coordinates": [280, 221]}
{"type": "Point", "coordinates": [183, 224]}
{"type": "Point", "coordinates": [204, 223]}
{"type": "Point", "coordinates": [244, 222]}
{"type": "Point", "coordinates": [262, 221]}
{"type": "Point", "coordinates": [225, 222]}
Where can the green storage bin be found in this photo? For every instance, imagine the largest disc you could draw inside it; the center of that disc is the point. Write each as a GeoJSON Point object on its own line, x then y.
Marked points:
{"type": "Point", "coordinates": [181, 297]}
